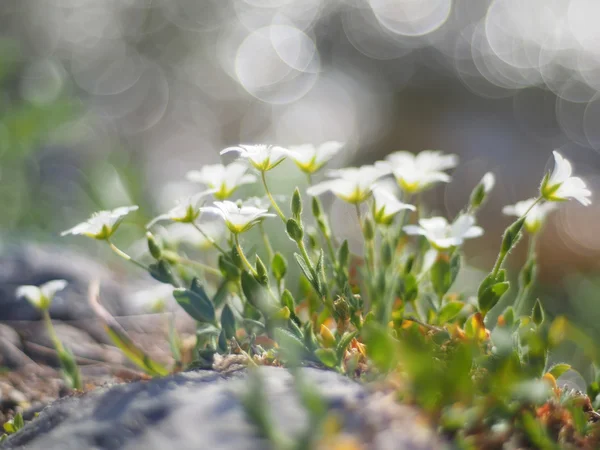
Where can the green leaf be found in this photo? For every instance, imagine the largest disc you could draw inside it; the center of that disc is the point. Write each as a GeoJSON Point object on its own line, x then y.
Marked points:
{"type": "Point", "coordinates": [344, 342]}
{"type": "Point", "coordinates": [69, 368]}
{"type": "Point", "coordinates": [320, 273]}
{"type": "Point", "coordinates": [161, 271]}
{"type": "Point", "coordinates": [257, 295]}
{"type": "Point", "coordinates": [229, 270]}
{"type": "Point", "coordinates": [294, 230]}
{"type": "Point", "coordinates": [449, 311]}
{"type": "Point", "coordinates": [222, 342]}
{"type": "Point", "coordinates": [198, 306]}
{"type": "Point", "coordinates": [278, 266]}
{"type": "Point", "coordinates": [382, 348]}
{"type": "Point", "coordinates": [327, 356]}
{"type": "Point", "coordinates": [559, 369]}
{"type": "Point", "coordinates": [305, 269]}
{"type": "Point", "coordinates": [18, 421]}
{"type": "Point", "coordinates": [409, 288]}
{"type": "Point", "coordinates": [221, 294]}
{"type": "Point", "coordinates": [440, 276]}
{"type": "Point", "coordinates": [292, 349]}
{"type": "Point", "coordinates": [228, 322]}
{"type": "Point", "coordinates": [287, 299]}
{"type": "Point", "coordinates": [491, 296]}
{"type": "Point", "coordinates": [537, 315]}
{"type": "Point", "coordinates": [253, 326]}
{"type": "Point", "coordinates": [135, 355]}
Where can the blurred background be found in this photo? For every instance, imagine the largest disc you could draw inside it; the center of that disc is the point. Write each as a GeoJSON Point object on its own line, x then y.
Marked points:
{"type": "Point", "coordinates": [110, 103]}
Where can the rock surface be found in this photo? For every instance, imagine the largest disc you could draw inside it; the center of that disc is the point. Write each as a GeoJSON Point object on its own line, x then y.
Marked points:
{"type": "Point", "coordinates": [202, 410]}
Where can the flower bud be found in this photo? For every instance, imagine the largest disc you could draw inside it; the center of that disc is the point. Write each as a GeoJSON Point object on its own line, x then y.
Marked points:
{"type": "Point", "coordinates": [154, 247]}
{"type": "Point", "coordinates": [278, 266]}
{"type": "Point", "coordinates": [294, 230]}
{"type": "Point", "coordinates": [479, 194]}
{"type": "Point", "coordinates": [296, 204]}
{"type": "Point", "coordinates": [313, 239]}
{"type": "Point", "coordinates": [344, 255]}
{"type": "Point", "coordinates": [262, 275]}
{"type": "Point", "coordinates": [512, 235]}
{"type": "Point", "coordinates": [316, 207]}
{"type": "Point", "coordinates": [386, 254]}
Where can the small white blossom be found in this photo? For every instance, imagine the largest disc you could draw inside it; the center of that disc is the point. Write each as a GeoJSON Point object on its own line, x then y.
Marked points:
{"type": "Point", "coordinates": [416, 173]}
{"type": "Point", "coordinates": [560, 185]}
{"type": "Point", "coordinates": [386, 205]}
{"type": "Point", "coordinates": [238, 218]}
{"type": "Point", "coordinates": [223, 179]}
{"type": "Point", "coordinates": [535, 217]}
{"type": "Point", "coordinates": [352, 184]}
{"type": "Point", "coordinates": [488, 181]}
{"type": "Point", "coordinates": [41, 297]}
{"type": "Point", "coordinates": [442, 235]}
{"type": "Point", "coordinates": [262, 157]}
{"type": "Point", "coordinates": [102, 224]}
{"type": "Point", "coordinates": [186, 211]}
{"type": "Point", "coordinates": [310, 158]}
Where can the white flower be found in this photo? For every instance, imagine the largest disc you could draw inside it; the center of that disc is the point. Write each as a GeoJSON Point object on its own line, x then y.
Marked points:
{"type": "Point", "coordinates": [102, 224]}
{"type": "Point", "coordinates": [386, 205]}
{"type": "Point", "coordinates": [442, 235]}
{"type": "Point", "coordinates": [238, 218]}
{"type": "Point", "coordinates": [535, 217]}
{"type": "Point", "coordinates": [415, 173]}
{"type": "Point", "coordinates": [41, 297]}
{"type": "Point", "coordinates": [488, 181]}
{"type": "Point", "coordinates": [223, 179]}
{"type": "Point", "coordinates": [560, 185]}
{"type": "Point", "coordinates": [186, 211]}
{"type": "Point", "coordinates": [262, 157]}
{"type": "Point", "coordinates": [310, 158]}
{"type": "Point", "coordinates": [352, 184]}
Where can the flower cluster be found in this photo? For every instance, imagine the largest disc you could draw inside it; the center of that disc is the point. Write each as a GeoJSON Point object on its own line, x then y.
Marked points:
{"type": "Point", "coordinates": [347, 305]}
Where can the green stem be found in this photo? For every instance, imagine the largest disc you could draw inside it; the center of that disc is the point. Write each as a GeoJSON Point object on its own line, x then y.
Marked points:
{"type": "Point", "coordinates": [208, 238]}
{"type": "Point", "coordinates": [524, 290]}
{"type": "Point", "coordinates": [53, 336]}
{"type": "Point", "coordinates": [125, 256]}
{"type": "Point", "coordinates": [181, 260]}
{"type": "Point", "coordinates": [367, 249]}
{"type": "Point", "coordinates": [266, 241]}
{"type": "Point", "coordinates": [271, 199]}
{"type": "Point", "coordinates": [243, 256]}
{"type": "Point", "coordinates": [502, 255]}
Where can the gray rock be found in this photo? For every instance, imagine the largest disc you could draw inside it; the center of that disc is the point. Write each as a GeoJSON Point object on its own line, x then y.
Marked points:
{"type": "Point", "coordinates": [36, 264]}
{"type": "Point", "coordinates": [202, 410]}
{"type": "Point", "coordinates": [11, 349]}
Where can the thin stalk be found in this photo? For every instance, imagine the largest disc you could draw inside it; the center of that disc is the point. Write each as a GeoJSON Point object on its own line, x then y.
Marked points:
{"type": "Point", "coordinates": [53, 336]}
{"type": "Point", "coordinates": [243, 256]}
{"type": "Point", "coordinates": [367, 250]}
{"type": "Point", "coordinates": [524, 290]}
{"type": "Point", "coordinates": [266, 241]}
{"type": "Point", "coordinates": [208, 238]}
{"type": "Point", "coordinates": [125, 256]}
{"type": "Point", "coordinates": [271, 199]}
{"type": "Point", "coordinates": [502, 255]}
{"type": "Point", "coordinates": [181, 260]}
